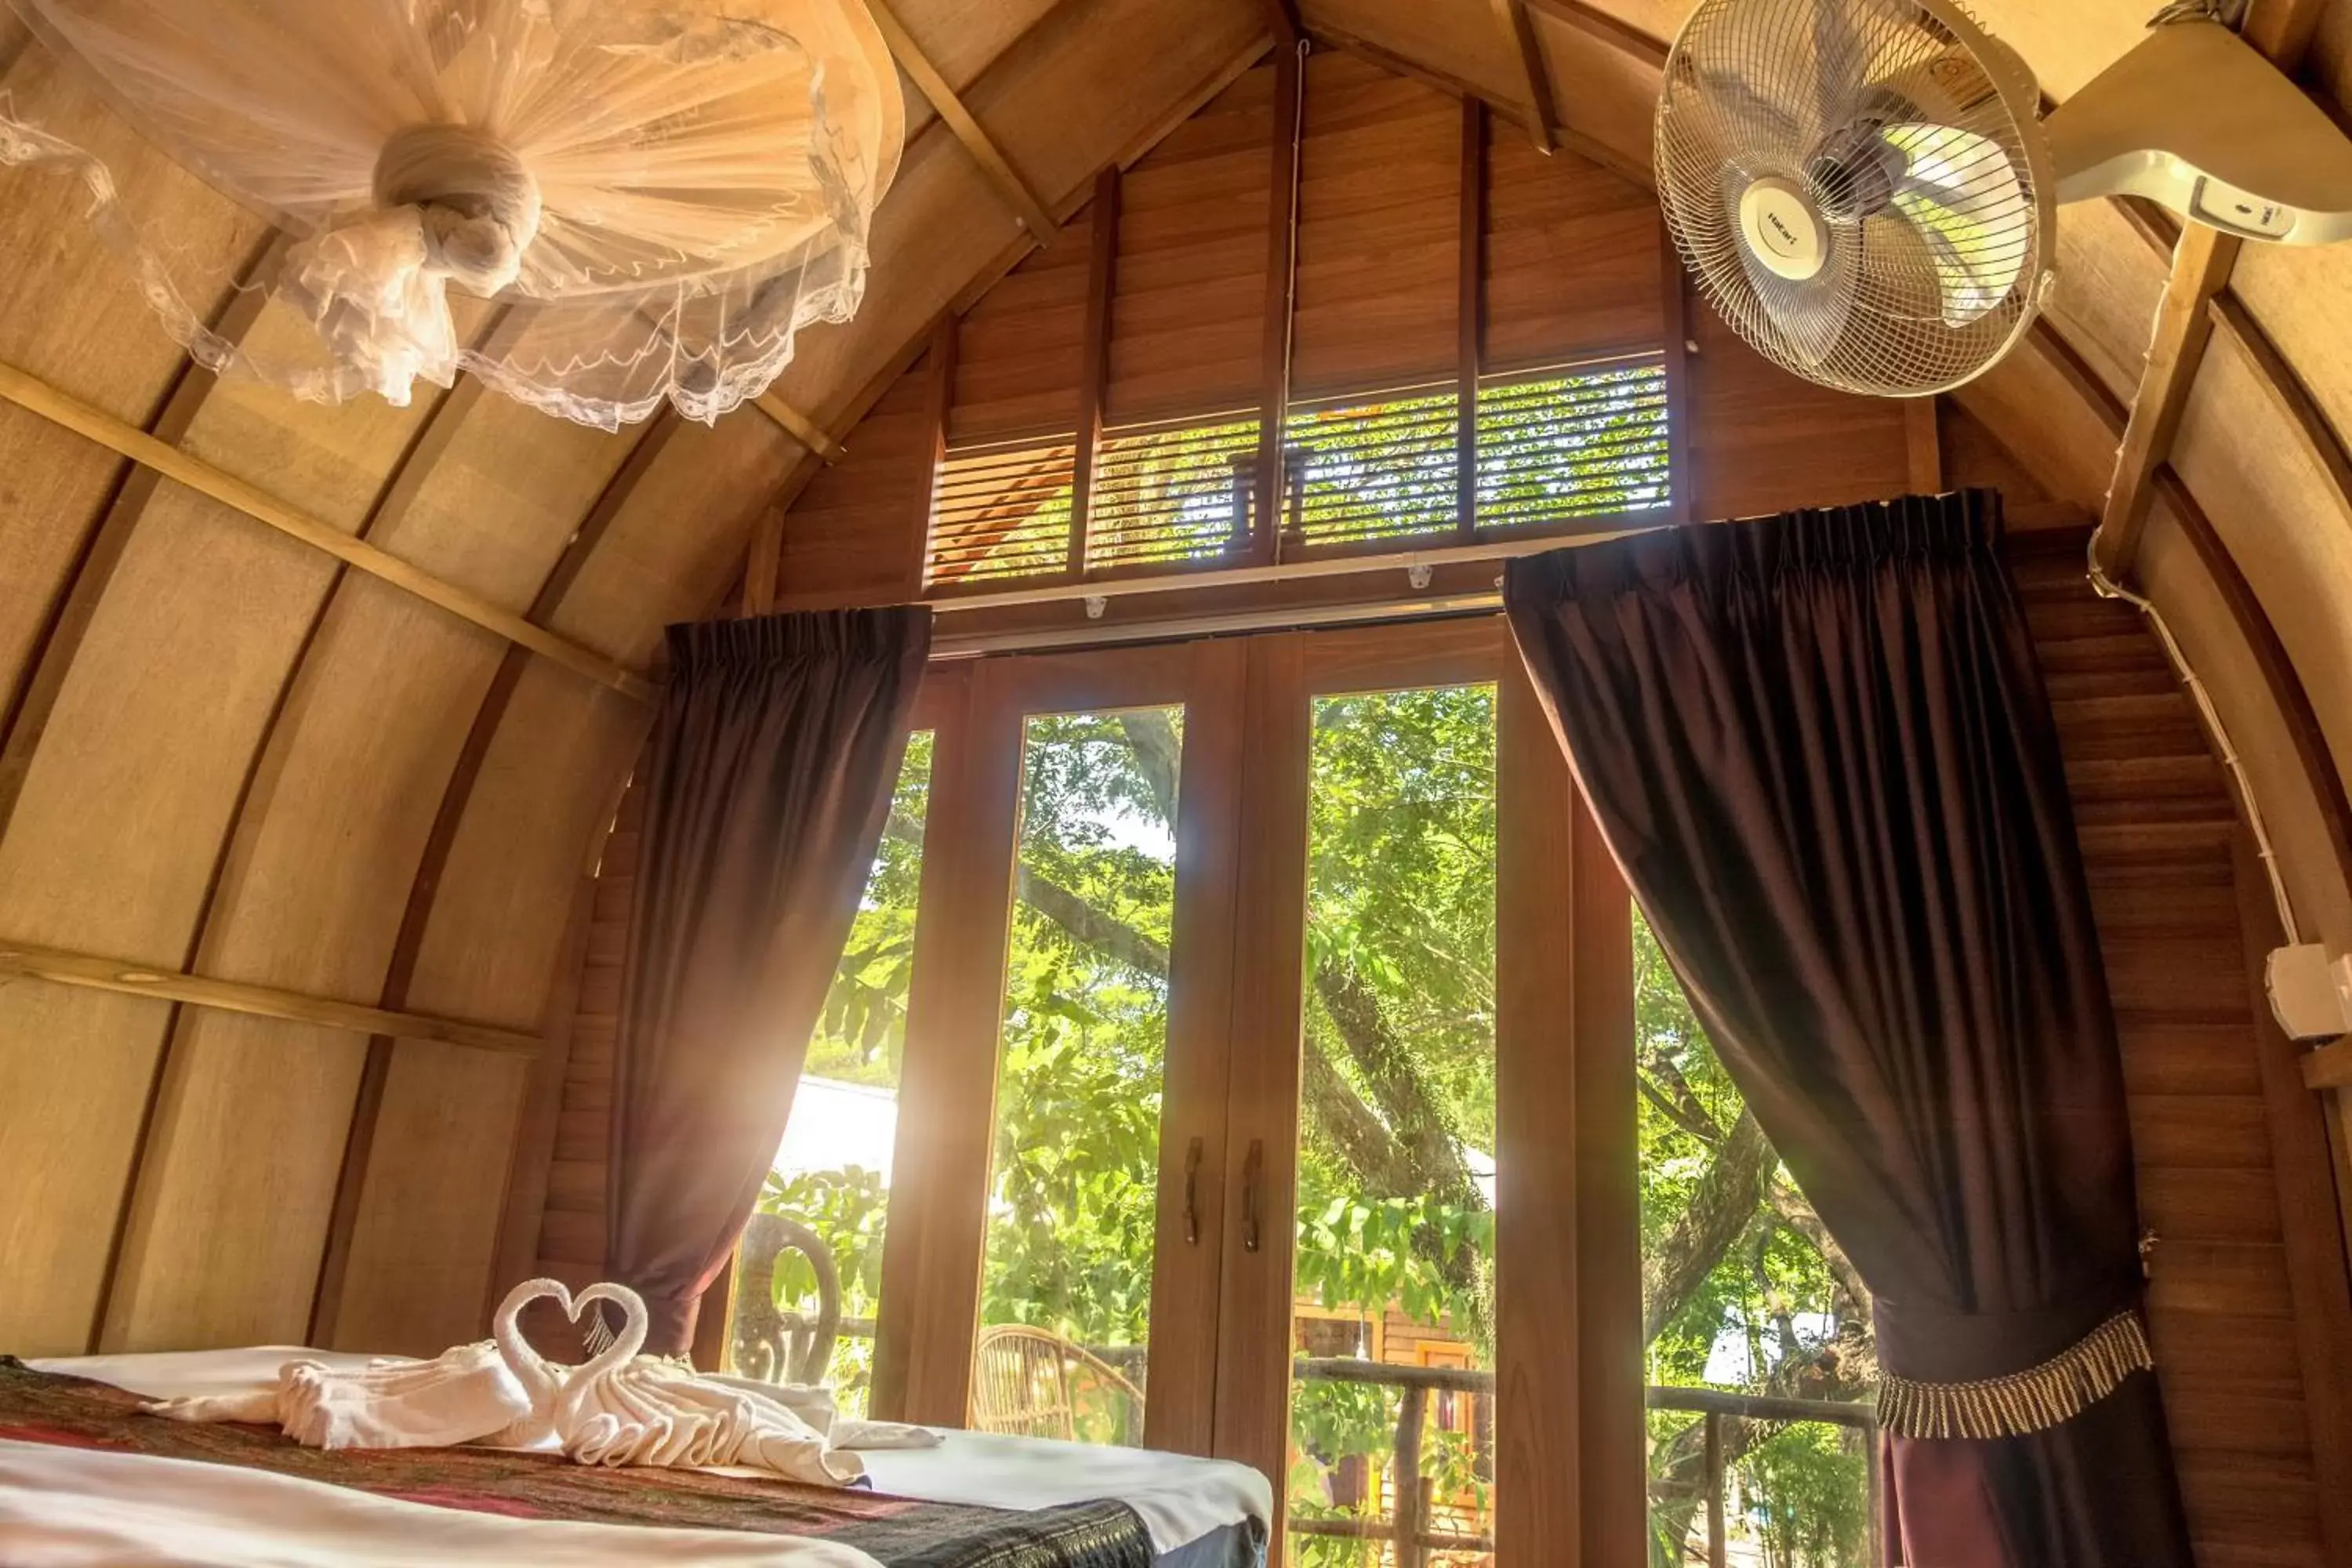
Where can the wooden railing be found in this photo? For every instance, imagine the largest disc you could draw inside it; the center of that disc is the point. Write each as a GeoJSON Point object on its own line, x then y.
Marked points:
{"type": "Point", "coordinates": [1408, 1527]}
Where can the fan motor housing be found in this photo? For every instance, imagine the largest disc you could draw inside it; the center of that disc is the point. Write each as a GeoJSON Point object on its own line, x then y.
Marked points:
{"type": "Point", "coordinates": [1781, 227]}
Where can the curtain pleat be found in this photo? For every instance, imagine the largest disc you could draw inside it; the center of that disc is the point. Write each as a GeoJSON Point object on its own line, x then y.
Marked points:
{"type": "Point", "coordinates": [773, 758]}
{"type": "Point", "coordinates": [1819, 746]}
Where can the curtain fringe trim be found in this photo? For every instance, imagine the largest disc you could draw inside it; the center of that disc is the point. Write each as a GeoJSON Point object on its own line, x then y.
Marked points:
{"type": "Point", "coordinates": [2030, 1401]}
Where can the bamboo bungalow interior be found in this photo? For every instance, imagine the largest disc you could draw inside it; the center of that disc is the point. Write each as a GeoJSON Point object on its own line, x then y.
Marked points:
{"type": "Point", "coordinates": [1243, 1020]}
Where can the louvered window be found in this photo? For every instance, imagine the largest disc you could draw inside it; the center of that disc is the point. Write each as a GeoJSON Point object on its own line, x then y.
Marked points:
{"type": "Point", "coordinates": [1002, 510]}
{"type": "Point", "coordinates": [1367, 470]}
{"type": "Point", "coordinates": [1557, 447]}
{"type": "Point", "coordinates": [1359, 474]}
{"type": "Point", "coordinates": [1171, 494]}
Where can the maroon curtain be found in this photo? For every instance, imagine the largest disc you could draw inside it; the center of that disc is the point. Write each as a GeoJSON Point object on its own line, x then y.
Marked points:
{"type": "Point", "coordinates": [1818, 745]}
{"type": "Point", "coordinates": [773, 759]}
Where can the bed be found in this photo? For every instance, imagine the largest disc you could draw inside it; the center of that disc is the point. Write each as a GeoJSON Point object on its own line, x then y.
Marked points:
{"type": "Point", "coordinates": [86, 1478]}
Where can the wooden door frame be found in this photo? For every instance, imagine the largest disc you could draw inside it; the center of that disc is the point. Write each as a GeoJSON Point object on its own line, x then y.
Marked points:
{"type": "Point", "coordinates": [934, 1244]}
{"type": "Point", "coordinates": [1569, 1427]}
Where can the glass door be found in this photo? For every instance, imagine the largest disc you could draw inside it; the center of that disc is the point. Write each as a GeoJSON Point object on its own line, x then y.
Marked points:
{"type": "Point", "coordinates": [1066, 1047]}
{"type": "Point", "coordinates": [1064, 1349]}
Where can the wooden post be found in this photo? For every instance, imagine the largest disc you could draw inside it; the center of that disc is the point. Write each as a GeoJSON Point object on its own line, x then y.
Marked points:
{"type": "Point", "coordinates": [1470, 317]}
{"type": "Point", "coordinates": [1923, 446]}
{"type": "Point", "coordinates": [939, 407]}
{"type": "Point", "coordinates": [1716, 1547]}
{"type": "Point", "coordinates": [1411, 1521]}
{"type": "Point", "coordinates": [1094, 370]}
{"type": "Point", "coordinates": [1281, 282]}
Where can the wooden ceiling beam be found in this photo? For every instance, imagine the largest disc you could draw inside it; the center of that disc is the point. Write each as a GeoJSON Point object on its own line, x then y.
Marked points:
{"type": "Point", "coordinates": [799, 427]}
{"type": "Point", "coordinates": [2202, 260]}
{"type": "Point", "coordinates": [37, 396]}
{"type": "Point", "coordinates": [1535, 77]}
{"type": "Point", "coordinates": [90, 972]}
{"type": "Point", "coordinates": [1282, 16]}
{"type": "Point", "coordinates": [967, 130]}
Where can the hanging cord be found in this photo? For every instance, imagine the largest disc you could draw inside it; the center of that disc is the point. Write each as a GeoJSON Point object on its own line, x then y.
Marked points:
{"type": "Point", "coordinates": [2108, 588]}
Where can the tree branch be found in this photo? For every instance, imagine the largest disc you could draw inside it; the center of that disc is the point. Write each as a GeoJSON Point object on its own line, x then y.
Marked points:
{"type": "Point", "coordinates": [1722, 1204]}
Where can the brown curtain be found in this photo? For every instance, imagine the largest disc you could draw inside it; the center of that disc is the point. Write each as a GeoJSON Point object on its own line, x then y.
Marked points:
{"type": "Point", "coordinates": [1818, 745]}
{"type": "Point", "coordinates": [773, 759]}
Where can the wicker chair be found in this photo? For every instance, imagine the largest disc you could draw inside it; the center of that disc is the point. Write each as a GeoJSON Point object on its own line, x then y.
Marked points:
{"type": "Point", "coordinates": [1030, 1384]}
{"type": "Point", "coordinates": [771, 1344]}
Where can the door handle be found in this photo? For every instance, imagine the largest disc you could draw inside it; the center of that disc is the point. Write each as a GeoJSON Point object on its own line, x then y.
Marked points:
{"type": "Point", "coordinates": [1192, 1194]}
{"type": "Point", "coordinates": [1253, 1167]}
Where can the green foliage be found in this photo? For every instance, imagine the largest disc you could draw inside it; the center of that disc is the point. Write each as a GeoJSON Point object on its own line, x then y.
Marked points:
{"type": "Point", "coordinates": [1400, 904]}
{"type": "Point", "coordinates": [862, 1032]}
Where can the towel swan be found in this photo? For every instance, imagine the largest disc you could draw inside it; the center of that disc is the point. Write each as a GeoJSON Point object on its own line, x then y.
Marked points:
{"type": "Point", "coordinates": [623, 1407]}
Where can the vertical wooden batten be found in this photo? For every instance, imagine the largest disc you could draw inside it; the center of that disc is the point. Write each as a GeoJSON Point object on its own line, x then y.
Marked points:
{"type": "Point", "coordinates": [1281, 292]}
{"type": "Point", "coordinates": [1674, 346]}
{"type": "Point", "coordinates": [1923, 446]}
{"type": "Point", "coordinates": [1470, 306]}
{"type": "Point", "coordinates": [939, 400]}
{"type": "Point", "coordinates": [1094, 362]}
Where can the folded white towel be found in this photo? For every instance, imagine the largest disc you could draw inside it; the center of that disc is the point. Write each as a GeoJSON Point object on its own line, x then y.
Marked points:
{"type": "Point", "coordinates": [463, 1395]}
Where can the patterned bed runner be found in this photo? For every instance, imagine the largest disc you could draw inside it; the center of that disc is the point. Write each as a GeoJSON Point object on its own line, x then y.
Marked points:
{"type": "Point", "coordinates": [48, 1408]}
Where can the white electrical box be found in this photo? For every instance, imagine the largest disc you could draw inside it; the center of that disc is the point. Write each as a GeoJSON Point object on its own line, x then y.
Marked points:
{"type": "Point", "coordinates": [2311, 997]}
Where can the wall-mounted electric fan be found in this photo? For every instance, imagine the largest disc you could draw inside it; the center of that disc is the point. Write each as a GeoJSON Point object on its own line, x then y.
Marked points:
{"type": "Point", "coordinates": [1866, 189]}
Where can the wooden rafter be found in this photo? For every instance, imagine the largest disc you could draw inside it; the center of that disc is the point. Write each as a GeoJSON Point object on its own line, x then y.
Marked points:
{"type": "Point", "coordinates": [37, 396]}
{"type": "Point", "coordinates": [983, 149]}
{"type": "Point", "coordinates": [799, 426]}
{"type": "Point", "coordinates": [1535, 77]}
{"type": "Point", "coordinates": [1282, 16]}
{"type": "Point", "coordinates": [94, 973]}
{"type": "Point", "coordinates": [2202, 261]}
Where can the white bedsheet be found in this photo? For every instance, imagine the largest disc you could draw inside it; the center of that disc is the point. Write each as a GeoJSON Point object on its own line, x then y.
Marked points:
{"type": "Point", "coordinates": [86, 1507]}
{"type": "Point", "coordinates": [1179, 1498]}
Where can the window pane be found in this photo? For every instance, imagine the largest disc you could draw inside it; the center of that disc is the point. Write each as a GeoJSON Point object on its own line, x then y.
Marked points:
{"type": "Point", "coordinates": [1395, 1261]}
{"type": "Point", "coordinates": [832, 1172]}
{"type": "Point", "coordinates": [1742, 1291]}
{"type": "Point", "coordinates": [1067, 1289]}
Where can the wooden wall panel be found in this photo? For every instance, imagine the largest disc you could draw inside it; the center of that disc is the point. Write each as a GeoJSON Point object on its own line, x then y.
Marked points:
{"type": "Point", "coordinates": [53, 487]}
{"type": "Point", "coordinates": [1762, 441]}
{"type": "Point", "coordinates": [1572, 261]}
{"type": "Point", "coordinates": [859, 527]}
{"type": "Point", "coordinates": [1379, 231]}
{"type": "Point", "coordinates": [1455, 40]}
{"type": "Point", "coordinates": [2287, 525]}
{"type": "Point", "coordinates": [2158, 829]}
{"type": "Point", "coordinates": [651, 568]}
{"type": "Point", "coordinates": [2110, 282]}
{"type": "Point", "coordinates": [1606, 92]}
{"type": "Point", "coordinates": [1017, 350]}
{"type": "Point", "coordinates": [425, 1230]}
{"type": "Point", "coordinates": [2301, 296]}
{"type": "Point", "coordinates": [571, 1231]}
{"type": "Point", "coordinates": [256, 1112]}
{"type": "Point", "coordinates": [112, 843]}
{"type": "Point", "coordinates": [1191, 297]}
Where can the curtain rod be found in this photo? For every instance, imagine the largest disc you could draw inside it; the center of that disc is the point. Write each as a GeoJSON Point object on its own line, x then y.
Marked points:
{"type": "Point", "coordinates": [1591, 531]}
{"type": "Point", "coordinates": [1175, 628]}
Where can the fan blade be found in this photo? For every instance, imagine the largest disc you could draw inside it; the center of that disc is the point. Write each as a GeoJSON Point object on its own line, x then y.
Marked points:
{"type": "Point", "coordinates": [1960, 193]}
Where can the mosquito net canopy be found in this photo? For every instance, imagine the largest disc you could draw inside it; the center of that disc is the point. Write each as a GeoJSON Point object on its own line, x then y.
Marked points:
{"type": "Point", "coordinates": [657, 194]}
